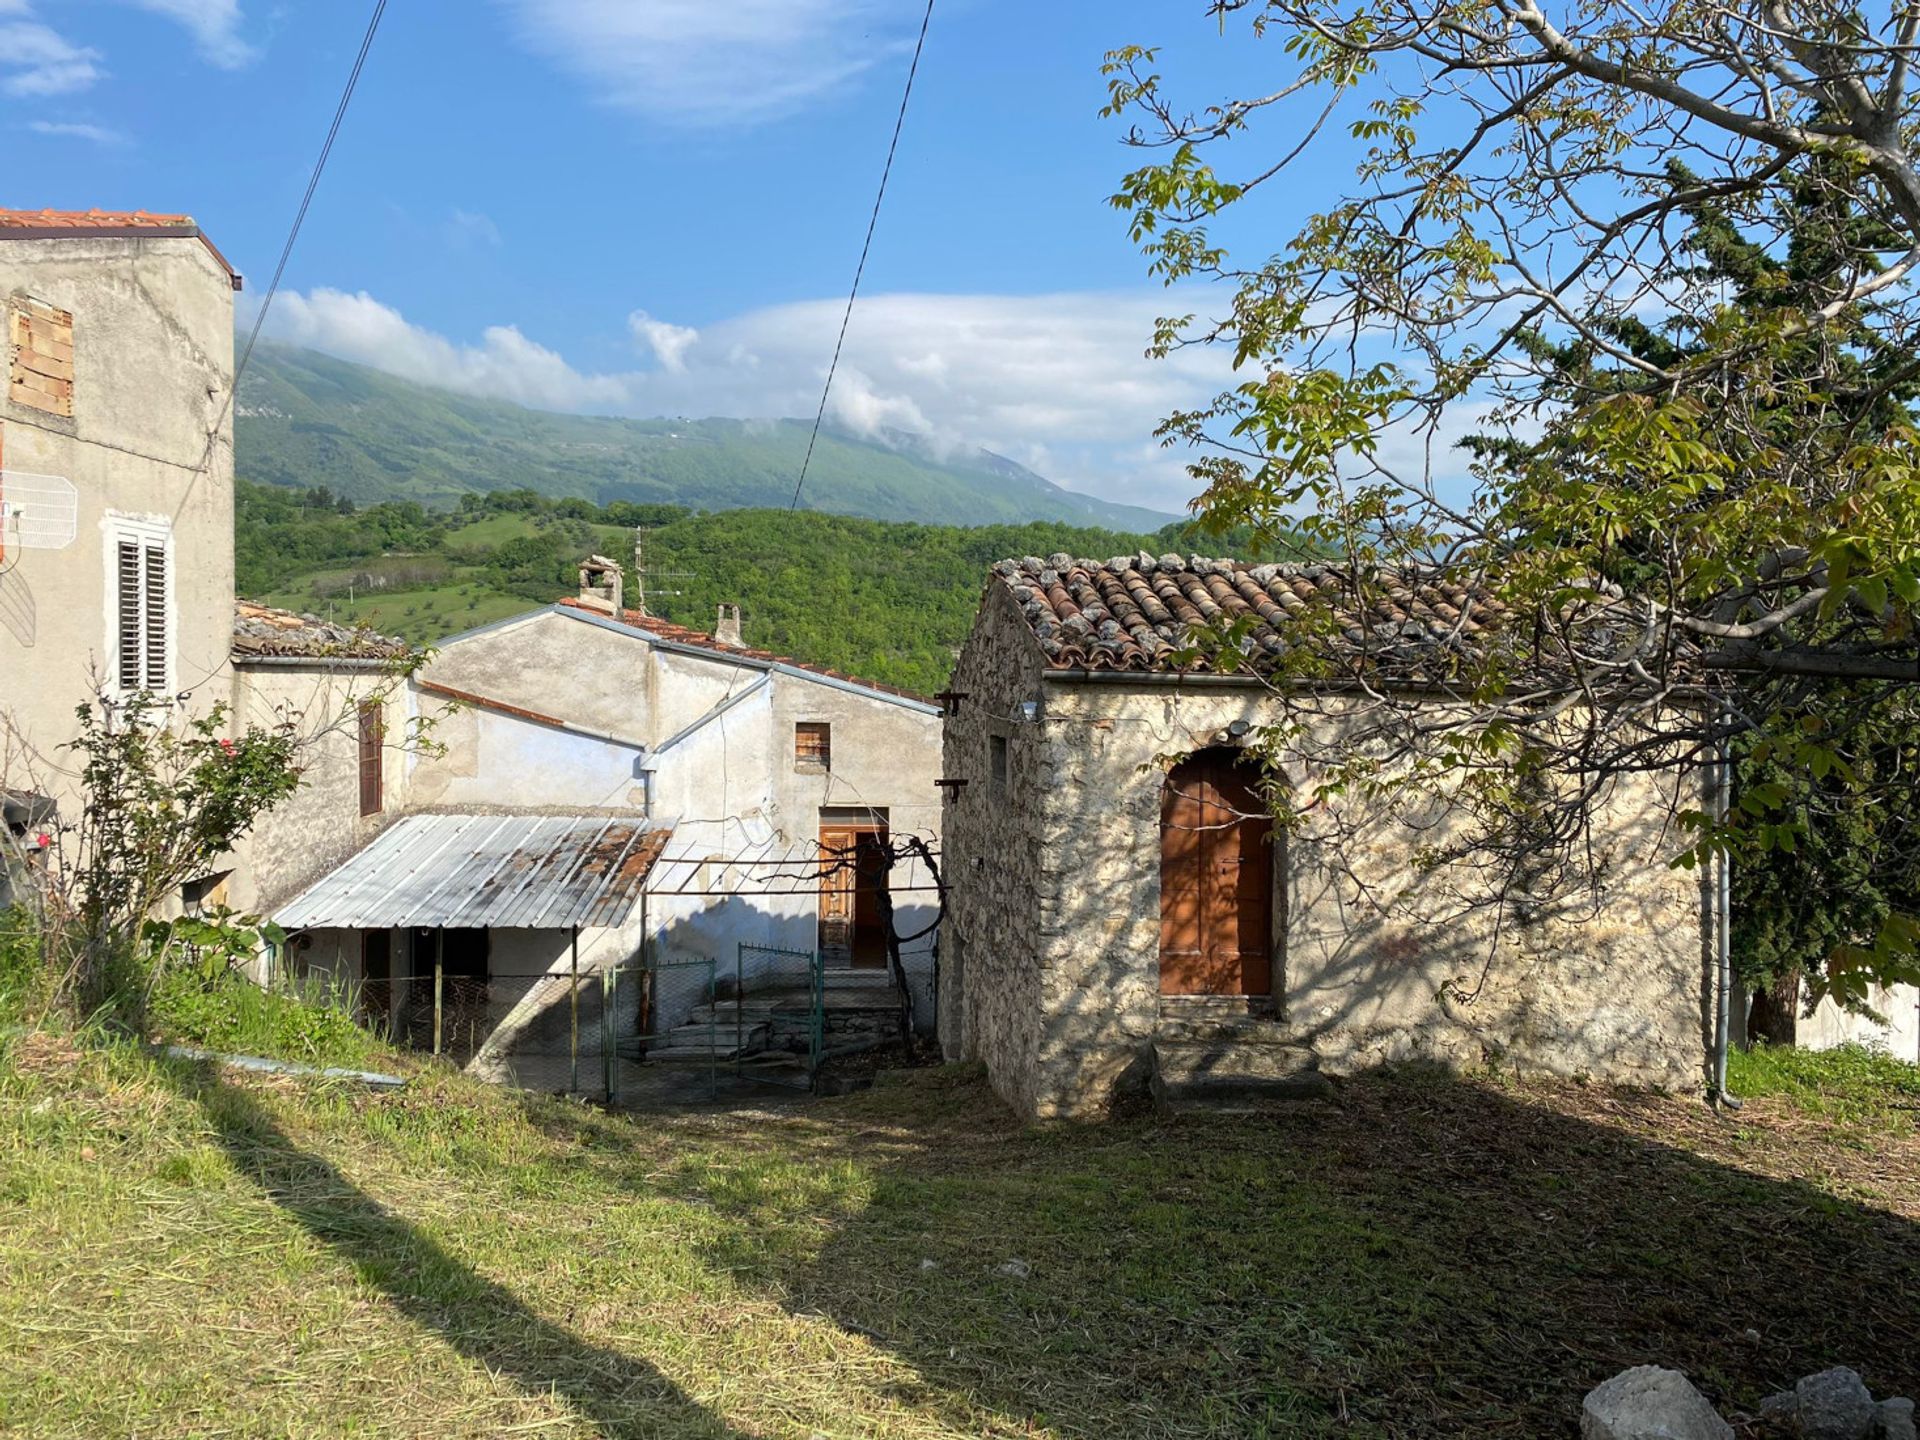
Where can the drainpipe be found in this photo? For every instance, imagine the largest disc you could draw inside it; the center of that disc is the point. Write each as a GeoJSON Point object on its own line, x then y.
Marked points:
{"type": "Point", "coordinates": [1722, 923]}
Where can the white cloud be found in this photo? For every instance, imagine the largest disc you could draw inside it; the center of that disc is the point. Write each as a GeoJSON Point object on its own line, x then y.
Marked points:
{"type": "Point", "coordinates": [214, 25]}
{"type": "Point", "coordinates": [505, 363]}
{"type": "Point", "coordinates": [1057, 382]}
{"type": "Point", "coordinates": [36, 60]}
{"type": "Point", "coordinates": [76, 130]}
{"type": "Point", "coordinates": [668, 342]}
{"type": "Point", "coordinates": [712, 62]}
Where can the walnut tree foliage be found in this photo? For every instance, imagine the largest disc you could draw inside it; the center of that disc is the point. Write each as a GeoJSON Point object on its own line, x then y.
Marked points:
{"type": "Point", "coordinates": [1660, 258]}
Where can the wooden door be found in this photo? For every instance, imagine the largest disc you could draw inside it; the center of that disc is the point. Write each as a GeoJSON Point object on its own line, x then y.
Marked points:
{"type": "Point", "coordinates": [1216, 880]}
{"type": "Point", "coordinates": [852, 873]}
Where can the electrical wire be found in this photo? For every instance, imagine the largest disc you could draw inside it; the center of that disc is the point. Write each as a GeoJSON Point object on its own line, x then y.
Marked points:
{"type": "Point", "coordinates": [286, 250]}
{"type": "Point", "coordinates": [866, 245]}
{"type": "Point", "coordinates": [306, 200]}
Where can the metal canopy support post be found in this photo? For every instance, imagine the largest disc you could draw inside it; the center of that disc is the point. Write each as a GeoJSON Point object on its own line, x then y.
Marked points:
{"type": "Point", "coordinates": [439, 949]}
{"type": "Point", "coordinates": [573, 1001]}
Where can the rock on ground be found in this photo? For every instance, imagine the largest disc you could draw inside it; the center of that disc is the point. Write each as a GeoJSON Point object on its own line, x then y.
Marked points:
{"type": "Point", "coordinates": [1896, 1421]}
{"type": "Point", "coordinates": [1650, 1403]}
{"type": "Point", "coordinates": [1835, 1405]}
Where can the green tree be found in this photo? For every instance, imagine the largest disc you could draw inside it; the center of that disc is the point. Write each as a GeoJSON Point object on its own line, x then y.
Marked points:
{"type": "Point", "coordinates": [1523, 176]}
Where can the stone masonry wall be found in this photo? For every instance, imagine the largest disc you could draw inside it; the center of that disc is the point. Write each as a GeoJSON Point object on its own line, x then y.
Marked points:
{"type": "Point", "coordinates": [990, 1003]}
{"type": "Point", "coordinates": [1611, 986]}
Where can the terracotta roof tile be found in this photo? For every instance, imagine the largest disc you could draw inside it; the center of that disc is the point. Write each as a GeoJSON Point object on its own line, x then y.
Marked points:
{"type": "Point", "coordinates": [261, 630]}
{"type": "Point", "coordinates": [700, 639]}
{"type": "Point", "coordinates": [1140, 612]}
{"type": "Point", "coordinates": [68, 224]}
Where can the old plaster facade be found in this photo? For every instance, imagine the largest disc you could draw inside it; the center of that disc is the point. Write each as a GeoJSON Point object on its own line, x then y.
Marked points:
{"type": "Point", "coordinates": [117, 394]}
{"type": "Point", "coordinates": [1051, 965]}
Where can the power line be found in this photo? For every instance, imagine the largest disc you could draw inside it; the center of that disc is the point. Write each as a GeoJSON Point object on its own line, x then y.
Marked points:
{"type": "Point", "coordinates": [286, 253]}
{"type": "Point", "coordinates": [860, 269]}
{"type": "Point", "coordinates": [306, 200]}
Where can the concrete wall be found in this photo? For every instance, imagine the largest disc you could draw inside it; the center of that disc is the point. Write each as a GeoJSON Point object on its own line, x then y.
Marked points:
{"type": "Point", "coordinates": [1057, 904]}
{"type": "Point", "coordinates": [728, 785]}
{"type": "Point", "coordinates": [1898, 1032]}
{"type": "Point", "coordinates": [153, 370]}
{"type": "Point", "coordinates": [320, 824]}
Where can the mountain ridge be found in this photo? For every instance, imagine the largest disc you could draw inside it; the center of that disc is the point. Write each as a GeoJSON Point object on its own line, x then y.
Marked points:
{"type": "Point", "coordinates": [304, 419]}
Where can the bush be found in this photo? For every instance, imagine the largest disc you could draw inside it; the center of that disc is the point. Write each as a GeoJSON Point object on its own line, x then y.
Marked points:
{"type": "Point", "coordinates": [231, 1014]}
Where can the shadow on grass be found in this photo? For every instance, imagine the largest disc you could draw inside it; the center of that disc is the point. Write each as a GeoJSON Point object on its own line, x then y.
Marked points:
{"type": "Point", "coordinates": [483, 1321]}
{"type": "Point", "coordinates": [1438, 1257]}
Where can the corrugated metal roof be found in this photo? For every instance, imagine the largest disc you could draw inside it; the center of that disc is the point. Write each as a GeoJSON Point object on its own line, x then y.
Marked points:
{"type": "Point", "coordinates": [533, 872]}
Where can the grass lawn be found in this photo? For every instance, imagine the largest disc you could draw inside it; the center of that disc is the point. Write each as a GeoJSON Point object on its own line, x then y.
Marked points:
{"type": "Point", "coordinates": [185, 1253]}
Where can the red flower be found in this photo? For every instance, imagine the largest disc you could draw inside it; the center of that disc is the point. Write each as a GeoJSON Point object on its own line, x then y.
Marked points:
{"type": "Point", "coordinates": [227, 745]}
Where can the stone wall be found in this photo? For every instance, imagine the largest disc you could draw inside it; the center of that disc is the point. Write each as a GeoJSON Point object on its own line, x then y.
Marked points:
{"type": "Point", "coordinates": [997, 866]}
{"type": "Point", "coordinates": [1057, 903]}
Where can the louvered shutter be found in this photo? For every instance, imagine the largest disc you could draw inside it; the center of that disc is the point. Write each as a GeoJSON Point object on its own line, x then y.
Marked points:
{"type": "Point", "coordinates": [156, 618]}
{"type": "Point", "coordinates": [128, 627]}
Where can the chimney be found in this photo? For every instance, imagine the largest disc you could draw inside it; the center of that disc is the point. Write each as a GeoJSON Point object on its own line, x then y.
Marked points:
{"type": "Point", "coordinates": [600, 584]}
{"type": "Point", "coordinates": [727, 629]}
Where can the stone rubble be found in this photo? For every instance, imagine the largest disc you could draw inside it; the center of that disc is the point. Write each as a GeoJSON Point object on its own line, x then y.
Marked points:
{"type": "Point", "coordinates": [1652, 1403]}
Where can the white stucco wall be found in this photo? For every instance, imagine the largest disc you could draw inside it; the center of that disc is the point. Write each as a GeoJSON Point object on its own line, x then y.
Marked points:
{"type": "Point", "coordinates": [577, 715]}
{"type": "Point", "coordinates": [153, 372]}
{"type": "Point", "coordinates": [1898, 1033]}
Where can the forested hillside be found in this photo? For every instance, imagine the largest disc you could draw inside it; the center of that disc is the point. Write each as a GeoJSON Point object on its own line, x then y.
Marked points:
{"type": "Point", "coordinates": [306, 418]}
{"type": "Point", "coordinates": [886, 600]}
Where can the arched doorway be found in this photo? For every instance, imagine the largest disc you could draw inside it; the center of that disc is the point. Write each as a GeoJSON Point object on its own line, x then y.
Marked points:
{"type": "Point", "coordinates": [1216, 879]}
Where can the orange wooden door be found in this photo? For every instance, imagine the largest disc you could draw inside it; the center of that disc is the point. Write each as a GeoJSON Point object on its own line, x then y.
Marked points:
{"type": "Point", "coordinates": [1216, 880]}
{"type": "Point", "coordinates": [853, 873]}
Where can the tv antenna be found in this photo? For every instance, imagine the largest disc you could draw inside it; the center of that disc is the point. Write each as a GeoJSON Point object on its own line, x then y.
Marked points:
{"type": "Point", "coordinates": [640, 573]}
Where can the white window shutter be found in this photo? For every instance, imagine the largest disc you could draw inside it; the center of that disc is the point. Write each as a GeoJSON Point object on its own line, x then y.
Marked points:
{"type": "Point", "coordinates": [128, 628]}
{"type": "Point", "coordinates": [156, 618]}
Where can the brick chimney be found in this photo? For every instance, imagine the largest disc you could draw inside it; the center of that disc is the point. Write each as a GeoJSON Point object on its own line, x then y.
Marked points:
{"type": "Point", "coordinates": [600, 584]}
{"type": "Point", "coordinates": [727, 628]}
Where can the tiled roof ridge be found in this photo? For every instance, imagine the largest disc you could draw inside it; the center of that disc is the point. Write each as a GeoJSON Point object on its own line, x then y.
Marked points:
{"type": "Point", "coordinates": [1141, 612]}
{"type": "Point", "coordinates": [268, 630]}
{"type": "Point", "coordinates": [704, 640]}
{"type": "Point", "coordinates": [54, 224]}
{"type": "Point", "coordinates": [48, 218]}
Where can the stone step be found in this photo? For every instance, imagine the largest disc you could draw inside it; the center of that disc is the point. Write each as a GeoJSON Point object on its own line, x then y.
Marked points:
{"type": "Point", "coordinates": [1236, 1078]}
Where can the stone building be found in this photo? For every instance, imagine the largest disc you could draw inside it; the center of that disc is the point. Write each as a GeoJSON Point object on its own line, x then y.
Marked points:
{"type": "Point", "coordinates": [1122, 912]}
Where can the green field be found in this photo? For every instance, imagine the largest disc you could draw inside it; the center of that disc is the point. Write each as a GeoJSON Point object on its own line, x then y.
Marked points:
{"type": "Point", "coordinates": [188, 1253]}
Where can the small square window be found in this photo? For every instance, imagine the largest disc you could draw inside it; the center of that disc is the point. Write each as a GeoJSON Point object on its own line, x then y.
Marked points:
{"type": "Point", "coordinates": [997, 761]}
{"type": "Point", "coordinates": [813, 745]}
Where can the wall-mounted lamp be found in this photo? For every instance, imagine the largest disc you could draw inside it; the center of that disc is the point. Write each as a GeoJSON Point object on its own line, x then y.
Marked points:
{"type": "Point", "coordinates": [1030, 711]}
{"type": "Point", "coordinates": [1238, 729]}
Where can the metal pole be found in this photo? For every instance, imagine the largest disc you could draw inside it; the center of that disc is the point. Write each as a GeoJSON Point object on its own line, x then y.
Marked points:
{"type": "Point", "coordinates": [573, 999]}
{"type": "Point", "coordinates": [606, 1048]}
{"type": "Point", "coordinates": [439, 949]}
{"type": "Point", "coordinates": [613, 1034]}
{"type": "Point", "coordinates": [739, 1004]}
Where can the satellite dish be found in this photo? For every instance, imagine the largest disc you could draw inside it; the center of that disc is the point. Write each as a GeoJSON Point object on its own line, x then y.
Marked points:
{"type": "Point", "coordinates": [37, 512]}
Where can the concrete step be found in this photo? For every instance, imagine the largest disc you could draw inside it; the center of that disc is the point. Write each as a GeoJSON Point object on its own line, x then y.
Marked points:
{"type": "Point", "coordinates": [1234, 1077]}
{"type": "Point", "coordinates": [703, 1043]}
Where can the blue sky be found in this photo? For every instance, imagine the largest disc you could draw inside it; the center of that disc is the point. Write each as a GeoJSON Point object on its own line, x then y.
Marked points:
{"type": "Point", "coordinates": [654, 206]}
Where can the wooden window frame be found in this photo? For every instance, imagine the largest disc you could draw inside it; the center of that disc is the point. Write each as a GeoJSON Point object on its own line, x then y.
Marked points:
{"type": "Point", "coordinates": [371, 739]}
{"type": "Point", "coordinates": [813, 745]}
